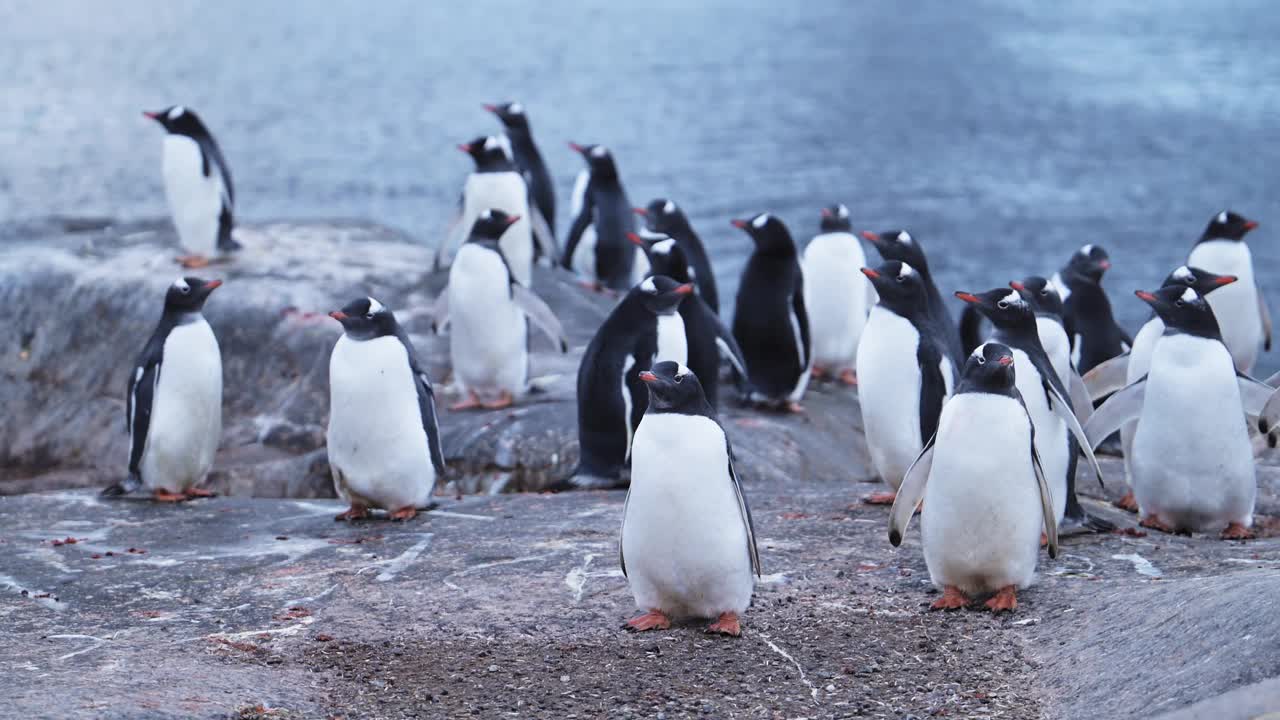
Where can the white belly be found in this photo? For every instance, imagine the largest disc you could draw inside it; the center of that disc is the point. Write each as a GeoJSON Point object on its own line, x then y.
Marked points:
{"type": "Point", "coordinates": [195, 201]}
{"type": "Point", "coordinates": [981, 520]}
{"type": "Point", "coordinates": [488, 342]}
{"type": "Point", "coordinates": [835, 296]}
{"type": "Point", "coordinates": [583, 261]}
{"type": "Point", "coordinates": [889, 393]}
{"type": "Point", "coordinates": [507, 192]}
{"type": "Point", "coordinates": [1192, 459]}
{"type": "Point", "coordinates": [640, 267]}
{"type": "Point", "coordinates": [1234, 305]}
{"type": "Point", "coordinates": [186, 411]}
{"type": "Point", "coordinates": [683, 537]}
{"type": "Point", "coordinates": [673, 344]}
{"type": "Point", "coordinates": [377, 447]}
{"type": "Point", "coordinates": [1057, 346]}
{"type": "Point", "coordinates": [1139, 363]}
{"type": "Point", "coordinates": [1051, 431]}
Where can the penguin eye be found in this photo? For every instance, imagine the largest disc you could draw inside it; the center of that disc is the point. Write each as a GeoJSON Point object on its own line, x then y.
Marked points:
{"type": "Point", "coordinates": [982, 360]}
{"type": "Point", "coordinates": [679, 379]}
{"type": "Point", "coordinates": [1044, 291]}
{"type": "Point", "coordinates": [186, 290]}
{"type": "Point", "coordinates": [1177, 303]}
{"type": "Point", "coordinates": [368, 316]}
{"type": "Point", "coordinates": [1003, 305]}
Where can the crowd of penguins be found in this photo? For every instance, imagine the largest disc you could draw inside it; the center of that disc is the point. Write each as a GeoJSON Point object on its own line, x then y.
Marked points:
{"type": "Point", "coordinates": [979, 424]}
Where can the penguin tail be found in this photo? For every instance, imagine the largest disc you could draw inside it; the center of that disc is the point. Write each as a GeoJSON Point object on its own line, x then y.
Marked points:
{"type": "Point", "coordinates": [226, 243]}
{"type": "Point", "coordinates": [124, 487]}
{"type": "Point", "coordinates": [970, 329]}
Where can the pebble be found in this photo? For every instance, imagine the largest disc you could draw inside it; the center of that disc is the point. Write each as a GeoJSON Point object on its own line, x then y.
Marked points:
{"type": "Point", "coordinates": [831, 688]}
{"type": "Point", "coordinates": [564, 678]}
{"type": "Point", "coordinates": [493, 668]}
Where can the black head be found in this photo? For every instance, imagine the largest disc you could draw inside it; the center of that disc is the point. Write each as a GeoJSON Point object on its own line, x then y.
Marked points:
{"type": "Point", "coordinates": [835, 219]}
{"type": "Point", "coordinates": [660, 294]}
{"type": "Point", "coordinates": [1005, 308]}
{"type": "Point", "coordinates": [898, 245]}
{"type": "Point", "coordinates": [990, 368]}
{"type": "Point", "coordinates": [489, 152]}
{"type": "Point", "coordinates": [512, 115]}
{"type": "Point", "coordinates": [673, 388]}
{"type": "Point", "coordinates": [900, 287]}
{"type": "Point", "coordinates": [491, 224]}
{"type": "Point", "coordinates": [769, 233]}
{"type": "Point", "coordinates": [1203, 281]}
{"type": "Point", "coordinates": [1183, 310]}
{"type": "Point", "coordinates": [179, 120]}
{"type": "Point", "coordinates": [664, 253]}
{"type": "Point", "coordinates": [1227, 225]}
{"type": "Point", "coordinates": [598, 158]}
{"type": "Point", "coordinates": [1089, 263]}
{"type": "Point", "coordinates": [365, 319]}
{"type": "Point", "coordinates": [187, 295]}
{"type": "Point", "coordinates": [1040, 294]}
{"type": "Point", "coordinates": [663, 215]}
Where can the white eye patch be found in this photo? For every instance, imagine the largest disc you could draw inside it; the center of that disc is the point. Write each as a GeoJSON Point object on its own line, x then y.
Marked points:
{"type": "Point", "coordinates": [1013, 298]}
{"type": "Point", "coordinates": [492, 143]}
{"type": "Point", "coordinates": [663, 247]}
{"type": "Point", "coordinates": [1086, 250]}
{"type": "Point", "coordinates": [515, 108]}
{"type": "Point", "coordinates": [760, 221]}
{"type": "Point", "coordinates": [486, 215]}
{"type": "Point", "coordinates": [599, 151]}
{"type": "Point", "coordinates": [648, 286]}
{"type": "Point", "coordinates": [1222, 217]}
{"type": "Point", "coordinates": [181, 284]}
{"type": "Point", "coordinates": [978, 354]}
{"type": "Point", "coordinates": [904, 237]}
{"type": "Point", "coordinates": [1183, 274]}
{"type": "Point", "coordinates": [177, 111]}
{"type": "Point", "coordinates": [1189, 295]}
{"type": "Point", "coordinates": [906, 271]}
{"type": "Point", "coordinates": [375, 306]}
{"type": "Point", "coordinates": [842, 212]}
{"type": "Point", "coordinates": [669, 207]}
{"type": "Point", "coordinates": [681, 370]}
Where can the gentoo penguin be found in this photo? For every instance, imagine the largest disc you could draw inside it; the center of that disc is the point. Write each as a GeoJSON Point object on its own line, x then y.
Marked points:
{"type": "Point", "coordinates": [770, 322]}
{"type": "Point", "coordinates": [1058, 435]}
{"type": "Point", "coordinates": [905, 371]}
{"type": "Point", "coordinates": [707, 336]}
{"type": "Point", "coordinates": [490, 318]}
{"type": "Point", "coordinates": [1046, 303]}
{"type": "Point", "coordinates": [383, 439]}
{"type": "Point", "coordinates": [688, 546]}
{"type": "Point", "coordinates": [515, 122]}
{"type": "Point", "coordinates": [197, 184]}
{"type": "Point", "coordinates": [496, 184]}
{"type": "Point", "coordinates": [1192, 460]}
{"type": "Point", "coordinates": [597, 247]}
{"type": "Point", "coordinates": [664, 216]}
{"type": "Point", "coordinates": [174, 406]}
{"type": "Point", "coordinates": [1241, 309]}
{"type": "Point", "coordinates": [986, 494]}
{"type": "Point", "coordinates": [643, 329]}
{"type": "Point", "coordinates": [1086, 311]}
{"type": "Point", "coordinates": [836, 295]}
{"type": "Point", "coordinates": [902, 246]}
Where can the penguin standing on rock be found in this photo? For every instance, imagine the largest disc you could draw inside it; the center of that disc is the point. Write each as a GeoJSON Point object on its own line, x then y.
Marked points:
{"type": "Point", "coordinates": [903, 246]}
{"type": "Point", "coordinates": [688, 546]}
{"type": "Point", "coordinates": [986, 495]}
{"type": "Point", "coordinates": [174, 406]}
{"type": "Point", "coordinates": [644, 328]}
{"type": "Point", "coordinates": [770, 321]}
{"type": "Point", "coordinates": [836, 295]}
{"type": "Point", "coordinates": [597, 247]}
{"type": "Point", "coordinates": [1241, 309]}
{"type": "Point", "coordinates": [542, 191]}
{"type": "Point", "coordinates": [383, 438]}
{"type": "Point", "coordinates": [1095, 335]}
{"type": "Point", "coordinates": [197, 183]}
{"type": "Point", "coordinates": [666, 217]}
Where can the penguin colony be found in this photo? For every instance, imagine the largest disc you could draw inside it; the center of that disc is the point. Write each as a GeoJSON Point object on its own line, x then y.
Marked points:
{"type": "Point", "coordinates": [987, 427]}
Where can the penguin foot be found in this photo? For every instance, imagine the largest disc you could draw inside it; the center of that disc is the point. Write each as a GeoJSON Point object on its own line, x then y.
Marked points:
{"type": "Point", "coordinates": [952, 599]}
{"type": "Point", "coordinates": [1044, 539]}
{"type": "Point", "coordinates": [505, 400]}
{"type": "Point", "coordinates": [1237, 531]}
{"type": "Point", "coordinates": [195, 492]}
{"type": "Point", "coordinates": [355, 512]}
{"type": "Point", "coordinates": [794, 408]}
{"type": "Point", "coordinates": [1128, 503]}
{"type": "Point", "coordinates": [1005, 600]}
{"type": "Point", "coordinates": [192, 261]}
{"type": "Point", "coordinates": [849, 377]}
{"type": "Point", "coordinates": [880, 498]}
{"type": "Point", "coordinates": [817, 372]}
{"type": "Point", "coordinates": [594, 286]}
{"type": "Point", "coordinates": [726, 624]}
{"type": "Point", "coordinates": [653, 620]}
{"type": "Point", "coordinates": [165, 496]}
{"type": "Point", "coordinates": [404, 513]}
{"type": "Point", "coordinates": [472, 402]}
{"type": "Point", "coordinates": [1155, 523]}
{"type": "Point", "coordinates": [1083, 523]}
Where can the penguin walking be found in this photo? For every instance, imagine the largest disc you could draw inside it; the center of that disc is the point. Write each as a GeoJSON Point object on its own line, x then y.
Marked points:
{"type": "Point", "coordinates": [197, 185]}
{"type": "Point", "coordinates": [902, 246]}
{"type": "Point", "coordinates": [644, 328]}
{"type": "Point", "coordinates": [688, 546]}
{"type": "Point", "coordinates": [708, 338]}
{"type": "Point", "coordinates": [986, 494]}
{"type": "Point", "coordinates": [542, 191]}
{"type": "Point", "coordinates": [174, 403]}
{"type": "Point", "coordinates": [770, 321]}
{"type": "Point", "coordinates": [1059, 437]}
{"type": "Point", "coordinates": [906, 374]}
{"type": "Point", "coordinates": [491, 312]}
{"type": "Point", "coordinates": [1086, 311]}
{"type": "Point", "coordinates": [1241, 309]}
{"type": "Point", "coordinates": [383, 438]}
{"type": "Point", "coordinates": [496, 184]}
{"type": "Point", "coordinates": [666, 217]}
{"type": "Point", "coordinates": [597, 247]}
{"type": "Point", "coordinates": [836, 295]}
{"type": "Point", "coordinates": [1192, 460]}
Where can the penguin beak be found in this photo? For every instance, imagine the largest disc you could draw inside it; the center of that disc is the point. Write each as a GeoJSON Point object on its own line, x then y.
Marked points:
{"type": "Point", "coordinates": [465, 147]}
{"type": "Point", "coordinates": [212, 285]}
{"type": "Point", "coordinates": [577, 148]}
{"type": "Point", "coordinates": [1146, 297]}
{"type": "Point", "coordinates": [969, 297]}
{"type": "Point", "coordinates": [338, 315]}
{"type": "Point", "coordinates": [512, 220]}
{"type": "Point", "coordinates": [869, 236]}
{"type": "Point", "coordinates": [1104, 264]}
{"type": "Point", "coordinates": [1250, 224]}
{"type": "Point", "coordinates": [871, 273]}
{"type": "Point", "coordinates": [740, 224]}
{"type": "Point", "coordinates": [826, 213]}
{"type": "Point", "coordinates": [151, 115]}
{"type": "Point", "coordinates": [1225, 280]}
{"type": "Point", "coordinates": [640, 211]}
{"type": "Point", "coordinates": [635, 239]}
{"type": "Point", "coordinates": [1017, 285]}
{"type": "Point", "coordinates": [1006, 360]}
{"type": "Point", "coordinates": [647, 376]}
{"type": "Point", "coordinates": [491, 108]}
{"type": "Point", "coordinates": [684, 289]}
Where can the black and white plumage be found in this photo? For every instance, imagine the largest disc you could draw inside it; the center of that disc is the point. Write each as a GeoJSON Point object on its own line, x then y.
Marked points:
{"type": "Point", "coordinates": [597, 247]}
{"type": "Point", "coordinates": [904, 247]}
{"type": "Point", "coordinates": [688, 545]}
{"type": "Point", "coordinates": [383, 437]}
{"type": "Point", "coordinates": [542, 191]}
{"type": "Point", "coordinates": [1241, 309]}
{"type": "Point", "coordinates": [770, 321]}
{"type": "Point", "coordinates": [836, 294]}
{"type": "Point", "coordinates": [666, 217]}
{"type": "Point", "coordinates": [1086, 311]}
{"type": "Point", "coordinates": [174, 403]}
{"type": "Point", "coordinates": [197, 184]}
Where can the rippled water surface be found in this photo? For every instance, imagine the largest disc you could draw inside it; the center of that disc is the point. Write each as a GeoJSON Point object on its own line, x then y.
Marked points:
{"type": "Point", "coordinates": [1003, 133]}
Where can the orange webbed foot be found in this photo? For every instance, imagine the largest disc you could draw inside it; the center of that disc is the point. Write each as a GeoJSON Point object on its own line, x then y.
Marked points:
{"type": "Point", "coordinates": [1128, 503]}
{"type": "Point", "coordinates": [795, 408]}
{"type": "Point", "coordinates": [192, 261]}
{"type": "Point", "coordinates": [1155, 523]}
{"type": "Point", "coordinates": [849, 377]}
{"type": "Point", "coordinates": [404, 513]}
{"type": "Point", "coordinates": [165, 496]}
{"type": "Point", "coordinates": [355, 512]}
{"type": "Point", "coordinates": [1006, 600]}
{"type": "Point", "coordinates": [472, 402]}
{"type": "Point", "coordinates": [1237, 531]}
{"type": "Point", "coordinates": [652, 620]}
{"type": "Point", "coordinates": [880, 498]}
{"type": "Point", "coordinates": [505, 400]}
{"type": "Point", "coordinates": [952, 599]}
{"type": "Point", "coordinates": [726, 624]}
{"type": "Point", "coordinates": [195, 492]}
{"type": "Point", "coordinates": [818, 372]}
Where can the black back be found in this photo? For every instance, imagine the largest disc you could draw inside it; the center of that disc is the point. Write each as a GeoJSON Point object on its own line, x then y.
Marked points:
{"type": "Point", "coordinates": [770, 295]}
{"type": "Point", "coordinates": [515, 120]}
{"type": "Point", "coordinates": [665, 216]}
{"type": "Point", "coordinates": [901, 245]}
{"type": "Point", "coordinates": [605, 206]}
{"type": "Point", "coordinates": [1087, 316]}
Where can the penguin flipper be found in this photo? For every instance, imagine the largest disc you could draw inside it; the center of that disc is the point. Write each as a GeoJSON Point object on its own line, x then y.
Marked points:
{"type": "Point", "coordinates": [1046, 498]}
{"type": "Point", "coordinates": [622, 557]}
{"type": "Point", "coordinates": [910, 493]}
{"type": "Point", "coordinates": [743, 509]}
{"type": "Point", "coordinates": [1105, 378]}
{"type": "Point", "coordinates": [440, 311]}
{"type": "Point", "coordinates": [542, 235]}
{"type": "Point", "coordinates": [970, 329]}
{"type": "Point", "coordinates": [581, 219]}
{"type": "Point", "coordinates": [1254, 394]}
{"type": "Point", "coordinates": [1081, 403]}
{"type": "Point", "coordinates": [1270, 415]}
{"type": "Point", "coordinates": [454, 235]}
{"type": "Point", "coordinates": [1125, 405]}
{"type": "Point", "coordinates": [728, 346]}
{"type": "Point", "coordinates": [1063, 410]}
{"type": "Point", "coordinates": [1265, 314]}
{"type": "Point", "coordinates": [129, 484]}
{"type": "Point", "coordinates": [142, 389]}
{"type": "Point", "coordinates": [426, 404]}
{"type": "Point", "coordinates": [541, 315]}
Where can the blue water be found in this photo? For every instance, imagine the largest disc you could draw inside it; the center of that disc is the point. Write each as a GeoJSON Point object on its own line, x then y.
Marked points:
{"type": "Point", "coordinates": [1004, 134]}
